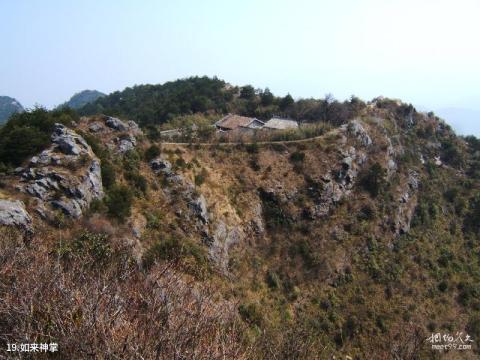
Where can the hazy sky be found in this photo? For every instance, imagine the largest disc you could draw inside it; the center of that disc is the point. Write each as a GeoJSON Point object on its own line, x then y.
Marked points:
{"type": "Point", "coordinates": [423, 51]}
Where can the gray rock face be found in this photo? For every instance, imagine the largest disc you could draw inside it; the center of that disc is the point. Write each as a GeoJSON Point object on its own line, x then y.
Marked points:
{"type": "Point", "coordinates": [257, 221]}
{"type": "Point", "coordinates": [70, 189]}
{"type": "Point", "coordinates": [126, 141]}
{"type": "Point", "coordinates": [126, 144]}
{"type": "Point", "coordinates": [95, 127]}
{"type": "Point", "coordinates": [116, 124]}
{"type": "Point", "coordinates": [161, 166]}
{"type": "Point", "coordinates": [68, 141]}
{"type": "Point", "coordinates": [13, 213]}
{"type": "Point", "coordinates": [223, 239]}
{"type": "Point", "coordinates": [133, 126]}
{"type": "Point", "coordinates": [71, 208]}
{"type": "Point", "coordinates": [356, 129]}
{"type": "Point", "coordinates": [199, 207]}
{"type": "Point", "coordinates": [338, 182]}
{"type": "Point", "coordinates": [407, 200]}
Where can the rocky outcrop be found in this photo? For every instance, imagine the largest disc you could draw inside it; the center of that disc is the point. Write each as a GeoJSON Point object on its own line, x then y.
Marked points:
{"type": "Point", "coordinates": [13, 213]}
{"type": "Point", "coordinates": [67, 141]}
{"type": "Point", "coordinates": [126, 144]}
{"type": "Point", "coordinates": [257, 220]}
{"type": "Point", "coordinates": [338, 182]}
{"type": "Point", "coordinates": [224, 237]}
{"type": "Point", "coordinates": [66, 176]}
{"type": "Point", "coordinates": [407, 201]}
{"type": "Point", "coordinates": [199, 208]}
{"type": "Point", "coordinates": [356, 129]}
{"type": "Point", "coordinates": [120, 136]}
{"type": "Point", "coordinates": [160, 165]}
{"type": "Point", "coordinates": [192, 207]}
{"type": "Point", "coordinates": [195, 202]}
{"type": "Point", "coordinates": [116, 124]}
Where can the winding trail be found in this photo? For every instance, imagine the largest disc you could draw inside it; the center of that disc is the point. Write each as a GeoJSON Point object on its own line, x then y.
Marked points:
{"type": "Point", "coordinates": [331, 132]}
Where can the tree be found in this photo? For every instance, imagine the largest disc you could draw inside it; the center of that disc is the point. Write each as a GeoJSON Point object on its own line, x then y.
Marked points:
{"type": "Point", "coordinates": [247, 92]}
{"type": "Point", "coordinates": [355, 105]}
{"type": "Point", "coordinates": [286, 102]}
{"type": "Point", "coordinates": [472, 219]}
{"type": "Point", "coordinates": [28, 133]}
{"type": "Point", "coordinates": [152, 152]}
{"type": "Point", "coordinates": [119, 202]}
{"type": "Point", "coordinates": [266, 97]}
{"type": "Point", "coordinates": [373, 180]}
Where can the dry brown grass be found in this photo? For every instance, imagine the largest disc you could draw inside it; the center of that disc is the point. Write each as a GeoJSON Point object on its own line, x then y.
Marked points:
{"type": "Point", "coordinates": [109, 309]}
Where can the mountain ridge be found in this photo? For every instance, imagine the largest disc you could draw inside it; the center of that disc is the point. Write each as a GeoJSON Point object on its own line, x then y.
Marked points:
{"type": "Point", "coordinates": [8, 106]}
{"type": "Point", "coordinates": [360, 241]}
{"type": "Point", "coordinates": [82, 98]}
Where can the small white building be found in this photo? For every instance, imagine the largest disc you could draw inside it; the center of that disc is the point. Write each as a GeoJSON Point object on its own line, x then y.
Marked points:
{"type": "Point", "coordinates": [280, 124]}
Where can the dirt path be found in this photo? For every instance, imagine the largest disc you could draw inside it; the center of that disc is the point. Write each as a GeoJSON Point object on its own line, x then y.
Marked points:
{"type": "Point", "coordinates": [334, 131]}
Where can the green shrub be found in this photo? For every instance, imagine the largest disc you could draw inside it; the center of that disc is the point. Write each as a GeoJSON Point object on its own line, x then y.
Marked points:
{"type": "Point", "coordinates": [28, 133]}
{"type": "Point", "coordinates": [96, 145]}
{"type": "Point", "coordinates": [314, 188]}
{"type": "Point", "coordinates": [367, 213]}
{"type": "Point", "coordinates": [373, 179]}
{"type": "Point", "coordinates": [200, 178]}
{"type": "Point", "coordinates": [152, 152]}
{"type": "Point", "coordinates": [442, 286]}
{"type": "Point", "coordinates": [472, 218]}
{"type": "Point", "coordinates": [154, 219]}
{"type": "Point", "coordinates": [88, 246]}
{"type": "Point", "coordinates": [180, 163]}
{"type": "Point", "coordinates": [252, 148]}
{"type": "Point", "coordinates": [108, 174]}
{"type": "Point", "coordinates": [173, 249]}
{"type": "Point", "coordinates": [306, 252]}
{"type": "Point", "coordinates": [451, 154]}
{"type": "Point", "coordinates": [351, 327]}
{"type": "Point", "coordinates": [119, 202]}
{"type": "Point", "coordinates": [273, 212]}
{"type": "Point", "coordinates": [251, 314]}
{"type": "Point", "coordinates": [273, 281]}
{"type": "Point", "coordinates": [138, 181]}
{"type": "Point", "coordinates": [254, 165]}
{"type": "Point", "coordinates": [468, 293]}
{"type": "Point", "coordinates": [131, 161]}
{"type": "Point", "coordinates": [473, 326]}
{"type": "Point", "coordinates": [297, 157]}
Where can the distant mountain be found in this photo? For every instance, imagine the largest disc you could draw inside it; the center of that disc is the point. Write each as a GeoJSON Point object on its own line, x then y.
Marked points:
{"type": "Point", "coordinates": [83, 98]}
{"type": "Point", "coordinates": [464, 121]}
{"type": "Point", "coordinates": [8, 106]}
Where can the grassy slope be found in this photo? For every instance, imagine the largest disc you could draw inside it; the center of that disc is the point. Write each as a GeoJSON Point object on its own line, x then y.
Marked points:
{"type": "Point", "coordinates": [344, 285]}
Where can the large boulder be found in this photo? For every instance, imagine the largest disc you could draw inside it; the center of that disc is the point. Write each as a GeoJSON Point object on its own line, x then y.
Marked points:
{"type": "Point", "coordinates": [160, 165]}
{"type": "Point", "coordinates": [224, 238]}
{"type": "Point", "coordinates": [407, 201]}
{"type": "Point", "coordinates": [66, 176]}
{"type": "Point", "coordinates": [199, 208]}
{"type": "Point", "coordinates": [357, 130]}
{"type": "Point", "coordinates": [13, 213]}
{"type": "Point", "coordinates": [116, 124]}
{"type": "Point", "coordinates": [68, 141]}
{"type": "Point", "coordinates": [126, 143]}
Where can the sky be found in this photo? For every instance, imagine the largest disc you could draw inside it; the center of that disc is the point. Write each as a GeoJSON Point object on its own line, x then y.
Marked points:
{"type": "Point", "coordinates": [425, 52]}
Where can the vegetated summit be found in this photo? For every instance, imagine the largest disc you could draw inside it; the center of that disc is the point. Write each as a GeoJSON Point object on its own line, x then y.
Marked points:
{"type": "Point", "coordinates": [82, 98]}
{"type": "Point", "coordinates": [158, 104]}
{"type": "Point", "coordinates": [361, 241]}
{"type": "Point", "coordinates": [8, 106]}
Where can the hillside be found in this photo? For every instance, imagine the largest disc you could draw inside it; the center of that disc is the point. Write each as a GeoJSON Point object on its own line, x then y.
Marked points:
{"type": "Point", "coordinates": [8, 106]}
{"type": "Point", "coordinates": [83, 98]}
{"type": "Point", "coordinates": [160, 104]}
{"type": "Point", "coordinates": [359, 242]}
